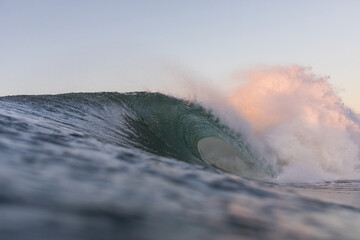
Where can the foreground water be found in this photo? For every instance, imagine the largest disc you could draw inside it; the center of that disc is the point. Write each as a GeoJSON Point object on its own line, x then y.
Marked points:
{"type": "Point", "coordinates": [130, 166]}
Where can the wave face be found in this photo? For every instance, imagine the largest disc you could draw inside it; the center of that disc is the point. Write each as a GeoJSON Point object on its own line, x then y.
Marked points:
{"type": "Point", "coordinates": [151, 122]}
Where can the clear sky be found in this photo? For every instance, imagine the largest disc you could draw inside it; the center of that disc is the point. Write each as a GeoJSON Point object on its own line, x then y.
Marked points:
{"type": "Point", "coordinates": [73, 45]}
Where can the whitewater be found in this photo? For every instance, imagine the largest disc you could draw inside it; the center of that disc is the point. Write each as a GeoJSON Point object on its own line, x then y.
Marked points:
{"type": "Point", "coordinates": [275, 158]}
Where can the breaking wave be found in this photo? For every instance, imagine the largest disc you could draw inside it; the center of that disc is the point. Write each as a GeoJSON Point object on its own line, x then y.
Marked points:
{"type": "Point", "coordinates": [298, 129]}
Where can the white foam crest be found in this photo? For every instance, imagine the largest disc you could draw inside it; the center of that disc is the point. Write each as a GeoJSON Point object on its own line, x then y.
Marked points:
{"type": "Point", "coordinates": [302, 122]}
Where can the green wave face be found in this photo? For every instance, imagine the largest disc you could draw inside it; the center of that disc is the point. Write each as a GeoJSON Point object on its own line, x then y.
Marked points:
{"type": "Point", "coordinates": [156, 123]}
{"type": "Point", "coordinates": [188, 132]}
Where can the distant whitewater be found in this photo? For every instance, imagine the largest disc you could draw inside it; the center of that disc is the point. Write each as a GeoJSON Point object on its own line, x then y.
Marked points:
{"type": "Point", "coordinates": [148, 165]}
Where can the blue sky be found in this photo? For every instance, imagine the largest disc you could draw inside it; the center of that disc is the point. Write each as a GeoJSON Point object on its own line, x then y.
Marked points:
{"type": "Point", "coordinates": [71, 46]}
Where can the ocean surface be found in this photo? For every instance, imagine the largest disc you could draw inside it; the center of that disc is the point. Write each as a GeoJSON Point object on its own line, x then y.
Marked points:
{"type": "Point", "coordinates": [151, 166]}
